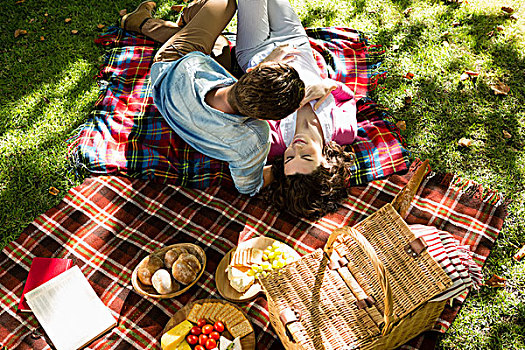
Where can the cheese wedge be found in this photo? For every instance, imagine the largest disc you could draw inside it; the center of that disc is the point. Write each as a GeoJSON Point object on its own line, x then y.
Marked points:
{"type": "Point", "coordinates": [175, 336]}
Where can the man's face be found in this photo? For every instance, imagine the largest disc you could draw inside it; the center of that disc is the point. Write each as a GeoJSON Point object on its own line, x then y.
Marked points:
{"type": "Point", "coordinates": [303, 156]}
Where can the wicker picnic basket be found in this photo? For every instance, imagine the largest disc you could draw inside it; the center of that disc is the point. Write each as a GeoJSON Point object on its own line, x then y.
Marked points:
{"type": "Point", "coordinates": [368, 289]}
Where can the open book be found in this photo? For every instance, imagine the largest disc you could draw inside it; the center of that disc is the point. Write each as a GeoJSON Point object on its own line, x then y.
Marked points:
{"type": "Point", "coordinates": [69, 310]}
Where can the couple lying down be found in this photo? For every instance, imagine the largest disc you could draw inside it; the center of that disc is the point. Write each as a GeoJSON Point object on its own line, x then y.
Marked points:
{"type": "Point", "coordinates": [280, 111]}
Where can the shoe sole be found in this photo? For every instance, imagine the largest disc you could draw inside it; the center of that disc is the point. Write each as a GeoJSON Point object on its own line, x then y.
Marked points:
{"type": "Point", "coordinates": [126, 16]}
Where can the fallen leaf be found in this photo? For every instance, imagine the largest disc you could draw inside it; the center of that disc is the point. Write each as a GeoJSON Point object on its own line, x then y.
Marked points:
{"type": "Point", "coordinates": [500, 89]}
{"type": "Point", "coordinates": [407, 11]}
{"type": "Point", "coordinates": [100, 26]}
{"type": "Point", "coordinates": [123, 12]}
{"type": "Point", "coordinates": [67, 20]}
{"type": "Point", "coordinates": [53, 191]}
{"type": "Point", "coordinates": [464, 77]}
{"type": "Point", "coordinates": [446, 33]}
{"type": "Point", "coordinates": [513, 17]}
{"type": "Point", "coordinates": [19, 32]}
{"type": "Point", "coordinates": [490, 34]}
{"type": "Point", "coordinates": [74, 32]}
{"type": "Point", "coordinates": [31, 20]}
{"type": "Point", "coordinates": [19, 2]}
{"type": "Point", "coordinates": [500, 28]}
{"type": "Point", "coordinates": [496, 281]}
{"type": "Point", "coordinates": [409, 76]}
{"type": "Point", "coordinates": [42, 38]}
{"type": "Point", "coordinates": [402, 125]}
{"type": "Point", "coordinates": [507, 9]}
{"type": "Point", "coordinates": [506, 134]}
{"type": "Point", "coordinates": [464, 142]}
{"type": "Point", "coordinates": [472, 73]}
{"type": "Point", "coordinates": [520, 254]}
{"type": "Point", "coordinates": [46, 14]}
{"type": "Point", "coordinates": [408, 100]}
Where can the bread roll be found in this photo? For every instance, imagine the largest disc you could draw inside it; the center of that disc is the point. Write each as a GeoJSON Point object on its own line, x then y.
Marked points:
{"type": "Point", "coordinates": [163, 283]}
{"type": "Point", "coordinates": [186, 268]}
{"type": "Point", "coordinates": [150, 265]}
{"type": "Point", "coordinates": [172, 255]}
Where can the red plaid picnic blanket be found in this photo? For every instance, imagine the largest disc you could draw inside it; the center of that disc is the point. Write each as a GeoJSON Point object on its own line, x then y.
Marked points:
{"type": "Point", "coordinates": [126, 134]}
{"type": "Point", "coordinates": [109, 223]}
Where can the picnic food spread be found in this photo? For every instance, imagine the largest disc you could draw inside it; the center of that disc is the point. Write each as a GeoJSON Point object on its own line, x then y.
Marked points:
{"type": "Point", "coordinates": [210, 324]}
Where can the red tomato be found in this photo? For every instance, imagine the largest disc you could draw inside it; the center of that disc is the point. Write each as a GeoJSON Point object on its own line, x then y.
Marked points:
{"type": "Point", "coordinates": [211, 344]}
{"type": "Point", "coordinates": [207, 329]}
{"type": "Point", "coordinates": [192, 339]}
{"type": "Point", "coordinates": [218, 326]}
{"type": "Point", "coordinates": [215, 335]}
{"type": "Point", "coordinates": [199, 347]}
{"type": "Point", "coordinates": [196, 330]}
{"type": "Point", "coordinates": [201, 322]}
{"type": "Point", "coordinates": [203, 339]}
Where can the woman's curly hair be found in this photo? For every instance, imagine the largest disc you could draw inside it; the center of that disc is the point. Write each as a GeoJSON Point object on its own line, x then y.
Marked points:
{"type": "Point", "coordinates": [316, 194]}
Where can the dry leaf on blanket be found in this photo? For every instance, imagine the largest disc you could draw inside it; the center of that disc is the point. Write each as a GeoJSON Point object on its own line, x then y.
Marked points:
{"type": "Point", "coordinates": [507, 9]}
{"type": "Point", "coordinates": [496, 281]}
{"type": "Point", "coordinates": [465, 142]}
{"type": "Point", "coordinates": [506, 134]}
{"type": "Point", "coordinates": [520, 254]}
{"type": "Point", "coordinates": [402, 125]}
{"type": "Point", "coordinates": [19, 32]}
{"type": "Point", "coordinates": [53, 191]}
{"type": "Point", "coordinates": [500, 89]}
{"type": "Point", "coordinates": [409, 75]}
{"type": "Point", "coordinates": [122, 12]}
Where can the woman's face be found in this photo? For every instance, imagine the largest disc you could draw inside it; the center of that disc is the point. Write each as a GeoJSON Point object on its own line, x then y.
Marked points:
{"type": "Point", "coordinates": [303, 156]}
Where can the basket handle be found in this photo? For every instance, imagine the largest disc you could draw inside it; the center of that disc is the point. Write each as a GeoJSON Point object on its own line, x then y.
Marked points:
{"type": "Point", "coordinates": [378, 266]}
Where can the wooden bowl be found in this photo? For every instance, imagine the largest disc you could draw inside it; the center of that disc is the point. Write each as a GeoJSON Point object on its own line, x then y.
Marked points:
{"type": "Point", "coordinates": [221, 276]}
{"type": "Point", "coordinates": [149, 291]}
{"type": "Point", "coordinates": [247, 342]}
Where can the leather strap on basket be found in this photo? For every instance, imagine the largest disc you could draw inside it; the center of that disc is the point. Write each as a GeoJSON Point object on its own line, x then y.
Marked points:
{"type": "Point", "coordinates": [378, 266]}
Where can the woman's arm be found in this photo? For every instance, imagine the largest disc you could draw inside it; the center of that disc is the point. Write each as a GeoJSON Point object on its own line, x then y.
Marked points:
{"type": "Point", "coordinates": [267, 175]}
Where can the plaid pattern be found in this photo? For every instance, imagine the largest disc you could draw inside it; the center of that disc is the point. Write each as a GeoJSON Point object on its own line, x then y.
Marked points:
{"type": "Point", "coordinates": [126, 134]}
{"type": "Point", "coordinates": [108, 224]}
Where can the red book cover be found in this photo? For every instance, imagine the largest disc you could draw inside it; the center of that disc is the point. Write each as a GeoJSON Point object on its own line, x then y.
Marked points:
{"type": "Point", "coordinates": [41, 271]}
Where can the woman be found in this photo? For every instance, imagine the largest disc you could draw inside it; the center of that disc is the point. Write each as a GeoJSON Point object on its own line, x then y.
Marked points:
{"type": "Point", "coordinates": [310, 169]}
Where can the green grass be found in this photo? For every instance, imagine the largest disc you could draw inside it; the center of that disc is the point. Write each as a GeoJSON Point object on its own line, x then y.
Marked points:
{"type": "Point", "coordinates": [47, 90]}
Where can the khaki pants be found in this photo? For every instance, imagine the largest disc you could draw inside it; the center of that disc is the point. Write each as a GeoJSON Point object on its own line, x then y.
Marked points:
{"type": "Point", "coordinates": [198, 29]}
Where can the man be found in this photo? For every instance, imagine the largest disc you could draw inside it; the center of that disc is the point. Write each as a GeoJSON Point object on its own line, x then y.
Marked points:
{"type": "Point", "coordinates": [204, 104]}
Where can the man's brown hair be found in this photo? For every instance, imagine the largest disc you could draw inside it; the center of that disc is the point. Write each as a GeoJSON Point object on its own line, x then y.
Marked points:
{"type": "Point", "coordinates": [269, 91]}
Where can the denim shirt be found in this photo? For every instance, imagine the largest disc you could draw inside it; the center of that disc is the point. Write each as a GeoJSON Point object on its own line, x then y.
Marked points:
{"type": "Point", "coordinates": [179, 89]}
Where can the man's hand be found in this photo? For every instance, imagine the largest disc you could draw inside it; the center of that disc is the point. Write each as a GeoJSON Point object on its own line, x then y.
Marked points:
{"type": "Point", "coordinates": [284, 53]}
{"type": "Point", "coordinates": [319, 92]}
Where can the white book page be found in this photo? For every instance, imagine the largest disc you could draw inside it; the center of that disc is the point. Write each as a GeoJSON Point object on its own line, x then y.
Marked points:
{"type": "Point", "coordinates": [69, 310]}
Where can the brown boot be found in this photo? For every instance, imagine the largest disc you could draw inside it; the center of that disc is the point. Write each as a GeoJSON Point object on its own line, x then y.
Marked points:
{"type": "Point", "coordinates": [134, 21]}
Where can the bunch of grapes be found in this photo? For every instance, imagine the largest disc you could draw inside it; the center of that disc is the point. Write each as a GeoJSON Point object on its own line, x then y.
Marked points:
{"type": "Point", "coordinates": [274, 258]}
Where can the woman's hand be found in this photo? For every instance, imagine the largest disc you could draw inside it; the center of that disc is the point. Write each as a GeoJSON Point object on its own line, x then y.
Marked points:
{"type": "Point", "coordinates": [319, 92]}
{"type": "Point", "coordinates": [284, 53]}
